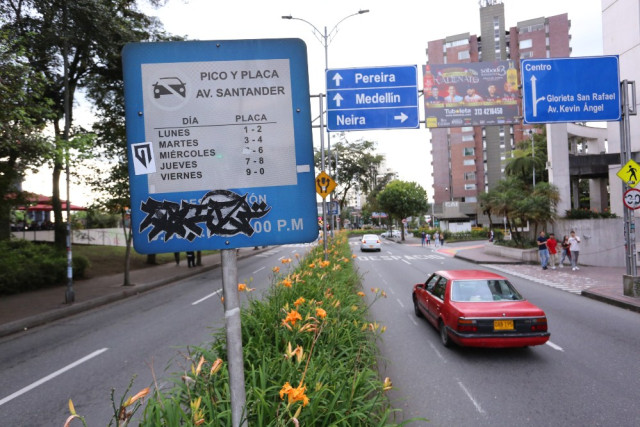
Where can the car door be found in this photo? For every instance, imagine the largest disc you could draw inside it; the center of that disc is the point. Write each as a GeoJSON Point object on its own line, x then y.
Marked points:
{"type": "Point", "coordinates": [422, 293]}
{"type": "Point", "coordinates": [436, 299]}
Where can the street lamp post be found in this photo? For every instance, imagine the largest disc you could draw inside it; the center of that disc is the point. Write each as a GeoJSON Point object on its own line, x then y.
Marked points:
{"type": "Point", "coordinates": [325, 38]}
{"type": "Point", "coordinates": [533, 158]}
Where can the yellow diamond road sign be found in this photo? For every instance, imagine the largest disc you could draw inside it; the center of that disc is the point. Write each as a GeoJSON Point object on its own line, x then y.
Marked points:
{"type": "Point", "coordinates": [324, 184]}
{"type": "Point", "coordinates": [629, 173]}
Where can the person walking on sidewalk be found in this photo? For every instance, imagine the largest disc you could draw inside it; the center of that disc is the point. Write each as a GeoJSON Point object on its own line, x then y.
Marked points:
{"type": "Point", "coordinates": [552, 245]}
{"type": "Point", "coordinates": [543, 251]}
{"type": "Point", "coordinates": [424, 237]}
{"type": "Point", "coordinates": [428, 237]}
{"type": "Point", "coordinates": [566, 252]}
{"type": "Point", "coordinates": [574, 242]}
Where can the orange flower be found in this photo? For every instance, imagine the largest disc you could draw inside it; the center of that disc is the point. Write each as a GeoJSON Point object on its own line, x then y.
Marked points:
{"type": "Point", "coordinates": [276, 269]}
{"type": "Point", "coordinates": [312, 265]}
{"type": "Point", "coordinates": [324, 264]}
{"type": "Point", "coordinates": [141, 394]}
{"type": "Point", "coordinates": [294, 394]}
{"type": "Point", "coordinates": [242, 287]}
{"type": "Point", "coordinates": [286, 260]}
{"type": "Point", "coordinates": [287, 283]}
{"type": "Point", "coordinates": [321, 313]}
{"type": "Point", "coordinates": [293, 316]}
{"type": "Point", "coordinates": [361, 294]}
{"type": "Point", "coordinates": [299, 302]}
{"type": "Point", "coordinates": [216, 366]}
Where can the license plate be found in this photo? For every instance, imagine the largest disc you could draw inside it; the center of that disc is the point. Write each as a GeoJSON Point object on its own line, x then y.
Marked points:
{"type": "Point", "coordinates": [502, 325]}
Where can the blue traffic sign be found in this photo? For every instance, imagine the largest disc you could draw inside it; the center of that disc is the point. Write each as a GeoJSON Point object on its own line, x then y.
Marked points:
{"type": "Point", "coordinates": [571, 89]}
{"type": "Point", "coordinates": [220, 144]}
{"type": "Point", "coordinates": [372, 98]}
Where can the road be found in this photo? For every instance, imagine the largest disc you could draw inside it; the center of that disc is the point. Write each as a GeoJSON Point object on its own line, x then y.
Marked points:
{"type": "Point", "coordinates": [83, 357]}
{"type": "Point", "coordinates": [588, 374]}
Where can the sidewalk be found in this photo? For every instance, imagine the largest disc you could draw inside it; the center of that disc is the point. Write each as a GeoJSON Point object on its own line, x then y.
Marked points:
{"type": "Point", "coordinates": [24, 311]}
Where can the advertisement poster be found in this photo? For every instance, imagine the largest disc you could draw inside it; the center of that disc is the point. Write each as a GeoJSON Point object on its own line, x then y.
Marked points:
{"type": "Point", "coordinates": [470, 94]}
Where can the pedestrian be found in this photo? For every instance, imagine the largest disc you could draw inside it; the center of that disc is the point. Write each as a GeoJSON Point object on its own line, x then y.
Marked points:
{"type": "Point", "coordinates": [442, 239]}
{"type": "Point", "coordinates": [428, 238]}
{"type": "Point", "coordinates": [436, 239]}
{"type": "Point", "coordinates": [574, 242]}
{"type": "Point", "coordinates": [566, 251]}
{"type": "Point", "coordinates": [424, 238]}
{"type": "Point", "coordinates": [176, 256]}
{"type": "Point", "coordinates": [491, 235]}
{"type": "Point", "coordinates": [191, 259]}
{"type": "Point", "coordinates": [543, 251]}
{"type": "Point", "coordinates": [552, 246]}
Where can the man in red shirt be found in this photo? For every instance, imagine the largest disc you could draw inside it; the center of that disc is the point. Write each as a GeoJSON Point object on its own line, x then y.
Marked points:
{"type": "Point", "coordinates": [552, 245]}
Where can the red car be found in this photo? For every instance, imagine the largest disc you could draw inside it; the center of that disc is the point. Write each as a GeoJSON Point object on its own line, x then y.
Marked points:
{"type": "Point", "coordinates": [478, 308]}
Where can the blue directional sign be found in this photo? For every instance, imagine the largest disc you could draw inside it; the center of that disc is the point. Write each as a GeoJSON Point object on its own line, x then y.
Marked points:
{"type": "Point", "coordinates": [372, 98]}
{"type": "Point", "coordinates": [571, 89]}
{"type": "Point", "coordinates": [220, 145]}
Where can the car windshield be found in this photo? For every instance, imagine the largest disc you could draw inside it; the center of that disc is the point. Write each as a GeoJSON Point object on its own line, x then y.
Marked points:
{"type": "Point", "coordinates": [483, 290]}
{"type": "Point", "coordinates": [370, 237]}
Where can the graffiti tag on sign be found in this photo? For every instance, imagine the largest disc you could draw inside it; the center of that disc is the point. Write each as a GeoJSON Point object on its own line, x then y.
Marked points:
{"type": "Point", "coordinates": [220, 212]}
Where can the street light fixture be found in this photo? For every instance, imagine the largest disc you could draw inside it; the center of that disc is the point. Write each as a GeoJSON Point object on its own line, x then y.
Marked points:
{"type": "Point", "coordinates": [325, 38]}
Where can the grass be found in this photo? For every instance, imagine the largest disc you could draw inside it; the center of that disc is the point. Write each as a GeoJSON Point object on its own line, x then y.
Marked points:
{"type": "Point", "coordinates": [107, 260]}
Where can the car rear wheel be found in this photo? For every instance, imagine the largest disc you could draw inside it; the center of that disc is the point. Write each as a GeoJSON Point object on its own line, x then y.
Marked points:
{"type": "Point", "coordinates": [415, 307]}
{"type": "Point", "coordinates": [444, 335]}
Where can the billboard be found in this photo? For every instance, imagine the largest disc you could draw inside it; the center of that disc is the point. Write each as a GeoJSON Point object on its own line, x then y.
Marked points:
{"type": "Point", "coordinates": [470, 94]}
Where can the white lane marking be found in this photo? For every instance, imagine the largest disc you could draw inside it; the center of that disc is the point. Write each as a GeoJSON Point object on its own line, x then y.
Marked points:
{"type": "Point", "coordinates": [392, 291]}
{"type": "Point", "coordinates": [261, 268]}
{"type": "Point", "coordinates": [412, 319]}
{"type": "Point", "coordinates": [554, 346]}
{"type": "Point", "coordinates": [475, 403]}
{"type": "Point", "coordinates": [405, 261]}
{"type": "Point", "coordinates": [438, 352]}
{"type": "Point", "coordinates": [207, 297]}
{"type": "Point", "coordinates": [400, 302]}
{"type": "Point", "coordinates": [52, 376]}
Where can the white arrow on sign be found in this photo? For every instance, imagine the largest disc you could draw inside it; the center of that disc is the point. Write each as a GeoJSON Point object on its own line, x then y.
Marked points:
{"type": "Point", "coordinates": [402, 117]}
{"type": "Point", "coordinates": [337, 78]}
{"type": "Point", "coordinates": [338, 99]}
{"type": "Point", "coordinates": [533, 95]}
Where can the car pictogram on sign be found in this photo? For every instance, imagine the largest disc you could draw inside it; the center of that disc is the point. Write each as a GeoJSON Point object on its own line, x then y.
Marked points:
{"type": "Point", "coordinates": [169, 86]}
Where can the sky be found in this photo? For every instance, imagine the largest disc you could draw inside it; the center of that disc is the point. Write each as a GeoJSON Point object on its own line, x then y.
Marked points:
{"type": "Point", "coordinates": [390, 34]}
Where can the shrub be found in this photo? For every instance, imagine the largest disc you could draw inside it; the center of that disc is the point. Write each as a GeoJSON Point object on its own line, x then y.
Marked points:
{"type": "Point", "coordinates": [27, 266]}
{"type": "Point", "coordinates": [588, 213]}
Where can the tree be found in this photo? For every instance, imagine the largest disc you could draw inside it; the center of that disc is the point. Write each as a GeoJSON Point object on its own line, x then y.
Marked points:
{"type": "Point", "coordinates": [401, 199]}
{"type": "Point", "coordinates": [23, 111]}
{"type": "Point", "coordinates": [69, 42]}
{"type": "Point", "coordinates": [357, 167]}
{"type": "Point", "coordinates": [527, 158]}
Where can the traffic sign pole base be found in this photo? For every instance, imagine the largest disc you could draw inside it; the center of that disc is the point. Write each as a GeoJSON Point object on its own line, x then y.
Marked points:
{"type": "Point", "coordinates": [631, 285]}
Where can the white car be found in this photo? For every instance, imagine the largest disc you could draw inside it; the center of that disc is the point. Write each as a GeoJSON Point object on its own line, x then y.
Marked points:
{"type": "Point", "coordinates": [370, 242]}
{"type": "Point", "coordinates": [392, 233]}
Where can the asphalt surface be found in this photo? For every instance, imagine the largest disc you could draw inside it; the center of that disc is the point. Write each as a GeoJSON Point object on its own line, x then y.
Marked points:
{"type": "Point", "coordinates": [28, 310]}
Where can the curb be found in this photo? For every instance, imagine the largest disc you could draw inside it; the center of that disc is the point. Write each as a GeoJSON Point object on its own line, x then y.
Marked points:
{"type": "Point", "coordinates": [612, 301]}
{"type": "Point", "coordinates": [81, 307]}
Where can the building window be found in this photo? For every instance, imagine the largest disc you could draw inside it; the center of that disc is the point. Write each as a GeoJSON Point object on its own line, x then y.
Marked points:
{"type": "Point", "coordinates": [463, 54]}
{"type": "Point", "coordinates": [469, 186]}
{"type": "Point", "coordinates": [526, 44]}
{"type": "Point", "coordinates": [467, 138]}
{"type": "Point", "coordinates": [469, 162]}
{"type": "Point", "coordinates": [469, 151]}
{"type": "Point", "coordinates": [469, 176]}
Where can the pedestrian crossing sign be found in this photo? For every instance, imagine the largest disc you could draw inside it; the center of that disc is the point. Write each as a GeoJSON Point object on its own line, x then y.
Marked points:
{"type": "Point", "coordinates": [630, 173]}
